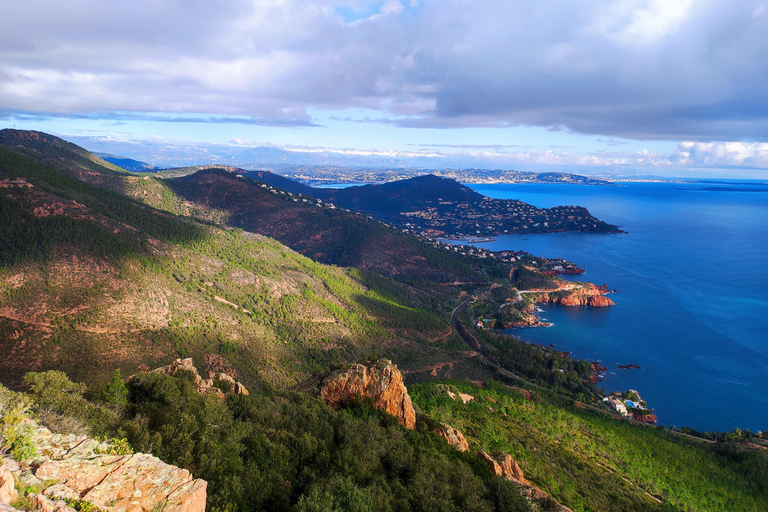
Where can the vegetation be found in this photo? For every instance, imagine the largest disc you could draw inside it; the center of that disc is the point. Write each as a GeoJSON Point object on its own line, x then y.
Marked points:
{"type": "Point", "coordinates": [246, 298]}
{"type": "Point", "coordinates": [105, 274]}
{"type": "Point", "coordinates": [593, 461]}
{"type": "Point", "coordinates": [279, 450]}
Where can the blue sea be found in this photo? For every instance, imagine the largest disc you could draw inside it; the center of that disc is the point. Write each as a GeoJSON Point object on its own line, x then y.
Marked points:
{"type": "Point", "coordinates": [692, 301]}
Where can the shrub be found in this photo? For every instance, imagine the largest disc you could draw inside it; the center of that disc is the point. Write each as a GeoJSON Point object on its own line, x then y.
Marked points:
{"type": "Point", "coordinates": [17, 435]}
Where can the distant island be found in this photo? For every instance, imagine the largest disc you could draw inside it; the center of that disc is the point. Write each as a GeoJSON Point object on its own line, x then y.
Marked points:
{"type": "Point", "coordinates": [436, 207]}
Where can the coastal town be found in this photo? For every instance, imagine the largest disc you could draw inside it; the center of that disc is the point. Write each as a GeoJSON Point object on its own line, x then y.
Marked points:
{"type": "Point", "coordinates": [329, 175]}
{"type": "Point", "coordinates": [464, 220]}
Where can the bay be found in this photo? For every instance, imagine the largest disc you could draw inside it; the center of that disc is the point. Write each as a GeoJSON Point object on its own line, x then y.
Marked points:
{"type": "Point", "coordinates": [692, 301]}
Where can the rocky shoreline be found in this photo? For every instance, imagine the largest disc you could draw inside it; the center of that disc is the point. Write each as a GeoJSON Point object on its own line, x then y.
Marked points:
{"type": "Point", "coordinates": [588, 295]}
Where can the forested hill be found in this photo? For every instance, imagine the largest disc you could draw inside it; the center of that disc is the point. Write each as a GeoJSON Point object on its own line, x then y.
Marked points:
{"type": "Point", "coordinates": [323, 232]}
{"type": "Point", "coordinates": [434, 206]}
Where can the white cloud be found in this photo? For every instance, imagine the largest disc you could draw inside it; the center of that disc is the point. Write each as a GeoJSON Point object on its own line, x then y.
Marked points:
{"type": "Point", "coordinates": [642, 69]}
{"type": "Point", "coordinates": [722, 154]}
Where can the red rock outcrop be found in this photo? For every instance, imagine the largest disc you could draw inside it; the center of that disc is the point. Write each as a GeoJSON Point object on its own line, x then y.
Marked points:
{"type": "Point", "coordinates": [511, 469]}
{"type": "Point", "coordinates": [454, 437]}
{"type": "Point", "coordinates": [210, 386]}
{"type": "Point", "coordinates": [651, 418]}
{"type": "Point", "coordinates": [380, 381]}
{"type": "Point", "coordinates": [508, 468]}
{"type": "Point", "coordinates": [495, 466]}
{"type": "Point", "coordinates": [583, 300]}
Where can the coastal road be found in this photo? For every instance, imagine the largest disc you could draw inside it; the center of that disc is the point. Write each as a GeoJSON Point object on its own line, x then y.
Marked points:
{"type": "Point", "coordinates": [521, 292]}
{"type": "Point", "coordinates": [473, 342]}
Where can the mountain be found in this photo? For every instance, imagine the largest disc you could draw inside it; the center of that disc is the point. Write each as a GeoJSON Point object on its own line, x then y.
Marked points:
{"type": "Point", "coordinates": [414, 194]}
{"type": "Point", "coordinates": [92, 280]}
{"type": "Point", "coordinates": [433, 206]}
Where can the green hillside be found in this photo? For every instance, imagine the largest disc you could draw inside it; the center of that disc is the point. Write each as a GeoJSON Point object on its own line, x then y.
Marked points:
{"type": "Point", "coordinates": [91, 279]}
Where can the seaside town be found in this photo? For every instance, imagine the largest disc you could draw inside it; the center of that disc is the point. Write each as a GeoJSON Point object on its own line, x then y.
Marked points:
{"type": "Point", "coordinates": [467, 221]}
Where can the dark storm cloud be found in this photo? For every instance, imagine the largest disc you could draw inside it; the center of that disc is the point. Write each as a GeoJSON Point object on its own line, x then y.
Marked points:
{"type": "Point", "coordinates": [643, 69]}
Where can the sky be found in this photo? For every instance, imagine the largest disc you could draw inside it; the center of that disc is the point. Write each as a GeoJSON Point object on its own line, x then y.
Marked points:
{"type": "Point", "coordinates": [658, 87]}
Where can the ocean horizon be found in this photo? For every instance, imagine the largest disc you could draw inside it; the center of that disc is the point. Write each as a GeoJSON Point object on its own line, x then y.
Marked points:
{"type": "Point", "coordinates": [692, 294]}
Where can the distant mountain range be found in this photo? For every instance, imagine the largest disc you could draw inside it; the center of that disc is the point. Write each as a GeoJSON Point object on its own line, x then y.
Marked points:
{"type": "Point", "coordinates": [316, 166]}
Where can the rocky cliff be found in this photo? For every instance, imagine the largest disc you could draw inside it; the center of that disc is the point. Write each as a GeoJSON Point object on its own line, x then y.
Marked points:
{"type": "Point", "coordinates": [70, 470]}
{"type": "Point", "coordinates": [582, 300]}
{"type": "Point", "coordinates": [381, 381]}
{"type": "Point", "coordinates": [587, 295]}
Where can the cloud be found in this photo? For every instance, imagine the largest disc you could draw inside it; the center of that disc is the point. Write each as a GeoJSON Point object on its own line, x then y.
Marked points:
{"type": "Point", "coordinates": [155, 117]}
{"type": "Point", "coordinates": [636, 69]}
{"type": "Point", "coordinates": [722, 154]}
{"type": "Point", "coordinates": [495, 147]}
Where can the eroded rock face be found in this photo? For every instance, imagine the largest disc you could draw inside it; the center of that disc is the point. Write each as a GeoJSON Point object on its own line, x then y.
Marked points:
{"type": "Point", "coordinates": [382, 382]}
{"type": "Point", "coordinates": [589, 295]}
{"type": "Point", "coordinates": [127, 482]}
{"type": "Point", "coordinates": [508, 468]}
{"type": "Point", "coordinates": [209, 386]}
{"type": "Point", "coordinates": [584, 300]}
{"type": "Point", "coordinates": [511, 469]}
{"type": "Point", "coordinates": [454, 437]}
{"type": "Point", "coordinates": [495, 467]}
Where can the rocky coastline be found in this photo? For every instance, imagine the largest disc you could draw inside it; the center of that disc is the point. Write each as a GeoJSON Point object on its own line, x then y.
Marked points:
{"type": "Point", "coordinates": [588, 295]}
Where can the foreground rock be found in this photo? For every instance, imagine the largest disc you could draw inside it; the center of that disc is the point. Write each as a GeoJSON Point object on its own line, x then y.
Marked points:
{"type": "Point", "coordinates": [381, 381]}
{"type": "Point", "coordinates": [8, 492]}
{"type": "Point", "coordinates": [89, 470]}
{"type": "Point", "coordinates": [219, 384]}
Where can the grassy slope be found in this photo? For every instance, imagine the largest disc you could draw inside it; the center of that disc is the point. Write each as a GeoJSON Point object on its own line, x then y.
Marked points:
{"type": "Point", "coordinates": [592, 461]}
{"type": "Point", "coordinates": [124, 285]}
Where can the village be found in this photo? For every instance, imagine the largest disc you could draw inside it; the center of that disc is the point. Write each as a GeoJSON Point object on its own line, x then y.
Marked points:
{"type": "Point", "coordinates": [489, 217]}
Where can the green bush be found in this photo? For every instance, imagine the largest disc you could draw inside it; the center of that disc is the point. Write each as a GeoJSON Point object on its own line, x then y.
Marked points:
{"type": "Point", "coordinates": [17, 435]}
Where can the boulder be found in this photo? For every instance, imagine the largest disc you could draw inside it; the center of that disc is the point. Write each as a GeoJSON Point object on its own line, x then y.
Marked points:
{"type": "Point", "coordinates": [454, 437]}
{"type": "Point", "coordinates": [381, 381]}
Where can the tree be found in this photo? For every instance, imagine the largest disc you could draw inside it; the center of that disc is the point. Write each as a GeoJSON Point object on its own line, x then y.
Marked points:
{"type": "Point", "coordinates": [116, 393]}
